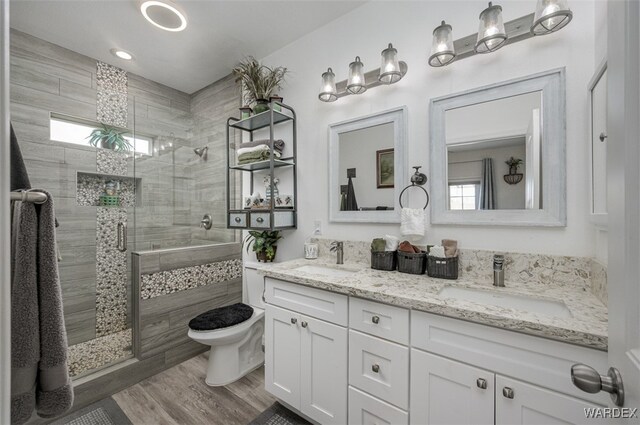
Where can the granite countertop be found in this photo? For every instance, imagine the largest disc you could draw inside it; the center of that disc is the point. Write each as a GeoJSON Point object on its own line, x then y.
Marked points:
{"type": "Point", "coordinates": [587, 326]}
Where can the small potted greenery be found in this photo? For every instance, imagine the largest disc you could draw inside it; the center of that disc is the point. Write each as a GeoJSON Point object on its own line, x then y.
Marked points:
{"type": "Point", "coordinates": [514, 164]}
{"type": "Point", "coordinates": [109, 138]}
{"type": "Point", "coordinates": [259, 82]}
{"type": "Point", "coordinates": [264, 244]}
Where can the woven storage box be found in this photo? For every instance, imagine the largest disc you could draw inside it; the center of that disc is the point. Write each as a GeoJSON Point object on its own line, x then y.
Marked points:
{"type": "Point", "coordinates": [443, 268]}
{"type": "Point", "coordinates": [386, 260]}
{"type": "Point", "coordinates": [109, 201]}
{"type": "Point", "coordinates": [413, 263]}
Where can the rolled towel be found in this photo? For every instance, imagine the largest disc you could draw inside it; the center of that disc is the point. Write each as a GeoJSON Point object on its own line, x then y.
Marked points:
{"type": "Point", "coordinates": [437, 251]}
{"type": "Point", "coordinates": [412, 222]}
{"type": "Point", "coordinates": [450, 247]}
{"type": "Point", "coordinates": [391, 243]}
{"type": "Point", "coordinates": [406, 246]}
{"type": "Point", "coordinates": [278, 145]}
{"type": "Point", "coordinates": [377, 245]}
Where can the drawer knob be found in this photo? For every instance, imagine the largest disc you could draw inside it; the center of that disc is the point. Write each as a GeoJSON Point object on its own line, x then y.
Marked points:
{"type": "Point", "coordinates": [375, 319]}
{"type": "Point", "coordinates": [260, 220]}
{"type": "Point", "coordinates": [508, 392]}
{"type": "Point", "coordinates": [481, 383]}
{"type": "Point", "coordinates": [303, 324]}
{"type": "Point", "coordinates": [294, 320]}
{"type": "Point", "coordinates": [238, 220]}
{"type": "Point", "coordinates": [375, 368]}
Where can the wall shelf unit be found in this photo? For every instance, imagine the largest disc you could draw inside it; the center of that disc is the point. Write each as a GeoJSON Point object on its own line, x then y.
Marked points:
{"type": "Point", "coordinates": [271, 217]}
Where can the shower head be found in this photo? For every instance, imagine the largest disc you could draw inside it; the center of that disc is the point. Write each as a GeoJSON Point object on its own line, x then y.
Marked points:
{"type": "Point", "coordinates": [201, 152]}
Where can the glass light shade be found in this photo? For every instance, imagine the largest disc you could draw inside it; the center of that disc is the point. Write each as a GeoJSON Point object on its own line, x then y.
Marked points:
{"type": "Point", "coordinates": [390, 68]}
{"type": "Point", "coordinates": [550, 16]}
{"type": "Point", "coordinates": [328, 92]}
{"type": "Point", "coordinates": [491, 34]}
{"type": "Point", "coordinates": [355, 82]}
{"type": "Point", "coordinates": [442, 50]}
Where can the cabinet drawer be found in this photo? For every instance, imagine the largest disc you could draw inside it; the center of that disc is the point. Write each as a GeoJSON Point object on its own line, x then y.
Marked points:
{"type": "Point", "coordinates": [537, 360]}
{"type": "Point", "coordinates": [260, 220]}
{"type": "Point", "coordinates": [378, 319]}
{"type": "Point", "coordinates": [314, 302]}
{"type": "Point", "coordinates": [238, 219]}
{"type": "Point", "coordinates": [380, 368]}
{"type": "Point", "coordinates": [367, 410]}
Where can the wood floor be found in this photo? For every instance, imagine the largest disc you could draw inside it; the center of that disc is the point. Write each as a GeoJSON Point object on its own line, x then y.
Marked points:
{"type": "Point", "coordinates": [179, 396]}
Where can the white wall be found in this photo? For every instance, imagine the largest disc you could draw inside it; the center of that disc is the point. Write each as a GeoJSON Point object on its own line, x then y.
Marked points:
{"type": "Point", "coordinates": [408, 25]}
{"type": "Point", "coordinates": [358, 150]}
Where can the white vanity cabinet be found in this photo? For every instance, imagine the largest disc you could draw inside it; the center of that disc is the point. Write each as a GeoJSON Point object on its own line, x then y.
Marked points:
{"type": "Point", "coordinates": [306, 358]}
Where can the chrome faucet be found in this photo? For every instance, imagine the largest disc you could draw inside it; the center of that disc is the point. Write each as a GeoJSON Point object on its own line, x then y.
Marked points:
{"type": "Point", "coordinates": [338, 248]}
{"type": "Point", "coordinates": [498, 270]}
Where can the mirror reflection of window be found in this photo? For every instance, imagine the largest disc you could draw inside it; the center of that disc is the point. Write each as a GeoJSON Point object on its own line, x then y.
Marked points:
{"type": "Point", "coordinates": [464, 196]}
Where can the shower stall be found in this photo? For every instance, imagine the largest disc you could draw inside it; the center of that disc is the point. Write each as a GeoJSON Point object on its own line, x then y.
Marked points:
{"type": "Point", "coordinates": [110, 204]}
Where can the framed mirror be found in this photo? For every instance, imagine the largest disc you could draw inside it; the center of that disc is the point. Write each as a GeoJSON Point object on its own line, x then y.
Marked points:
{"type": "Point", "coordinates": [367, 167]}
{"type": "Point", "coordinates": [498, 154]}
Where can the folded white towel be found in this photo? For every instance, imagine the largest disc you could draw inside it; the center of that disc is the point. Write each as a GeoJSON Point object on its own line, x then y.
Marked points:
{"type": "Point", "coordinates": [437, 251]}
{"type": "Point", "coordinates": [391, 243]}
{"type": "Point", "coordinates": [412, 222]}
{"type": "Point", "coordinates": [260, 148]}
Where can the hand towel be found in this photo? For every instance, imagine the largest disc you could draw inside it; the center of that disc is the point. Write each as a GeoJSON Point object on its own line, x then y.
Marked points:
{"type": "Point", "coordinates": [450, 247]}
{"type": "Point", "coordinates": [412, 222]}
{"type": "Point", "coordinates": [437, 251]}
{"type": "Point", "coordinates": [391, 243]}
{"type": "Point", "coordinates": [378, 245]}
{"type": "Point", "coordinates": [407, 247]}
{"type": "Point", "coordinates": [278, 145]}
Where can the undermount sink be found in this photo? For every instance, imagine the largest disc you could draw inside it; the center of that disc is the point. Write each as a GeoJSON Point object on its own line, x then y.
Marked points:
{"type": "Point", "coordinates": [517, 302]}
{"type": "Point", "coordinates": [326, 271]}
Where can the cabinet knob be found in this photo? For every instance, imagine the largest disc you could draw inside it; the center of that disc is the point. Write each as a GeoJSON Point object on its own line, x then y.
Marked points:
{"type": "Point", "coordinates": [260, 220]}
{"type": "Point", "coordinates": [508, 392]}
{"type": "Point", "coordinates": [303, 324]}
{"type": "Point", "coordinates": [294, 320]}
{"type": "Point", "coordinates": [481, 383]}
{"type": "Point", "coordinates": [375, 319]}
{"type": "Point", "coordinates": [238, 220]}
{"type": "Point", "coordinates": [375, 368]}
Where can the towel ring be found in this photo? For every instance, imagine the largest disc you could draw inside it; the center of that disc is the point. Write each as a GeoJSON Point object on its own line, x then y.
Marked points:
{"type": "Point", "coordinates": [418, 179]}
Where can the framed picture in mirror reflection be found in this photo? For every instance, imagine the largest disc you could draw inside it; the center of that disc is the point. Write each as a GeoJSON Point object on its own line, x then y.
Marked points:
{"type": "Point", "coordinates": [384, 169]}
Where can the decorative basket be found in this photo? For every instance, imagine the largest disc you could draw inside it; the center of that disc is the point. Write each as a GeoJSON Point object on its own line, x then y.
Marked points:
{"type": "Point", "coordinates": [443, 268]}
{"type": "Point", "coordinates": [109, 201]}
{"type": "Point", "coordinates": [413, 263]}
{"type": "Point", "coordinates": [385, 260]}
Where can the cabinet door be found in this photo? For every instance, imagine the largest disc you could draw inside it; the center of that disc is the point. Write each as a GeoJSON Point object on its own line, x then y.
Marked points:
{"type": "Point", "coordinates": [282, 354]}
{"type": "Point", "coordinates": [323, 371]}
{"type": "Point", "coordinates": [447, 392]}
{"type": "Point", "coordinates": [535, 405]}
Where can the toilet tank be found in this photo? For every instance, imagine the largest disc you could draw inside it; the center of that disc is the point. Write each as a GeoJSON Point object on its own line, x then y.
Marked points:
{"type": "Point", "coordinates": [253, 288]}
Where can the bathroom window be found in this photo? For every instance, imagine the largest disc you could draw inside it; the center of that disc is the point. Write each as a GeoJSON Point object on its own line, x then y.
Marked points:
{"type": "Point", "coordinates": [68, 130]}
{"type": "Point", "coordinates": [464, 196]}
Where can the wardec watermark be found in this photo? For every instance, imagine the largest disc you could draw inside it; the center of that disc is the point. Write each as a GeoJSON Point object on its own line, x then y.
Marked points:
{"type": "Point", "coordinates": [610, 412]}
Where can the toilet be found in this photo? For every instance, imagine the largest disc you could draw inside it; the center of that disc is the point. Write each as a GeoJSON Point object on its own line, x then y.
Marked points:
{"type": "Point", "coordinates": [234, 334]}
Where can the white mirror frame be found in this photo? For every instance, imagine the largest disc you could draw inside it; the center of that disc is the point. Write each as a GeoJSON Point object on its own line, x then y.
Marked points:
{"type": "Point", "coordinates": [554, 203]}
{"type": "Point", "coordinates": [598, 219]}
{"type": "Point", "coordinates": [397, 116]}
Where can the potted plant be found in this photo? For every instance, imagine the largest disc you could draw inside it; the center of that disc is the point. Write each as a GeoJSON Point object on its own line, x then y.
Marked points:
{"type": "Point", "coordinates": [264, 244]}
{"type": "Point", "coordinates": [259, 82]}
{"type": "Point", "coordinates": [109, 138]}
{"type": "Point", "coordinates": [513, 164]}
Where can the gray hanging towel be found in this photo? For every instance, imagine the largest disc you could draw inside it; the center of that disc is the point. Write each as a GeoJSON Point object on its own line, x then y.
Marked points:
{"type": "Point", "coordinates": [351, 202]}
{"type": "Point", "coordinates": [40, 376]}
{"type": "Point", "coordinates": [19, 175]}
{"type": "Point", "coordinates": [487, 199]}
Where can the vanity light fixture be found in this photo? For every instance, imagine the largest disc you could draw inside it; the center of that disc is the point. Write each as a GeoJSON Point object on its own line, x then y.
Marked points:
{"type": "Point", "coordinates": [391, 71]}
{"type": "Point", "coordinates": [491, 34]}
{"type": "Point", "coordinates": [442, 49]}
{"type": "Point", "coordinates": [164, 14]}
{"type": "Point", "coordinates": [122, 54]}
{"type": "Point", "coordinates": [550, 16]}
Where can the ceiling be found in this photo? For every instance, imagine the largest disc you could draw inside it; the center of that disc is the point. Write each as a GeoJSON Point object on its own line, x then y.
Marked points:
{"type": "Point", "coordinates": [219, 34]}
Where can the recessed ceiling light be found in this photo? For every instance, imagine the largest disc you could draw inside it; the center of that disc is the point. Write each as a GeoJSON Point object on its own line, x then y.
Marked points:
{"type": "Point", "coordinates": [122, 54]}
{"type": "Point", "coordinates": [164, 15]}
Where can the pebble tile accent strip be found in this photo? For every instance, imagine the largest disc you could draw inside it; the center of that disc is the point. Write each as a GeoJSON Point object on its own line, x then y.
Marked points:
{"type": "Point", "coordinates": [91, 186]}
{"type": "Point", "coordinates": [99, 352]}
{"type": "Point", "coordinates": [112, 99]}
{"type": "Point", "coordinates": [111, 162]}
{"type": "Point", "coordinates": [599, 285]}
{"type": "Point", "coordinates": [111, 273]}
{"type": "Point", "coordinates": [167, 282]}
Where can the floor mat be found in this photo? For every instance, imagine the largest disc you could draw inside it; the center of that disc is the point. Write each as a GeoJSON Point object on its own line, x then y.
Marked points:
{"type": "Point", "coordinates": [277, 414]}
{"type": "Point", "coordinates": [104, 412]}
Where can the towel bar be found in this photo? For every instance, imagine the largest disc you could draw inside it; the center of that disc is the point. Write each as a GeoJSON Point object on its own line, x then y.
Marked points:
{"type": "Point", "coordinates": [24, 196]}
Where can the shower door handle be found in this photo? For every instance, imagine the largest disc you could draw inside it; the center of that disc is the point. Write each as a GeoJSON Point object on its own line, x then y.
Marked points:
{"type": "Point", "coordinates": [122, 236]}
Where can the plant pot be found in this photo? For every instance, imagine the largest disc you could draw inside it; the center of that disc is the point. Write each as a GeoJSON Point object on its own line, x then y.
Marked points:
{"type": "Point", "coordinates": [513, 169]}
{"type": "Point", "coordinates": [105, 145]}
{"type": "Point", "coordinates": [261, 106]}
{"type": "Point", "coordinates": [263, 258]}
